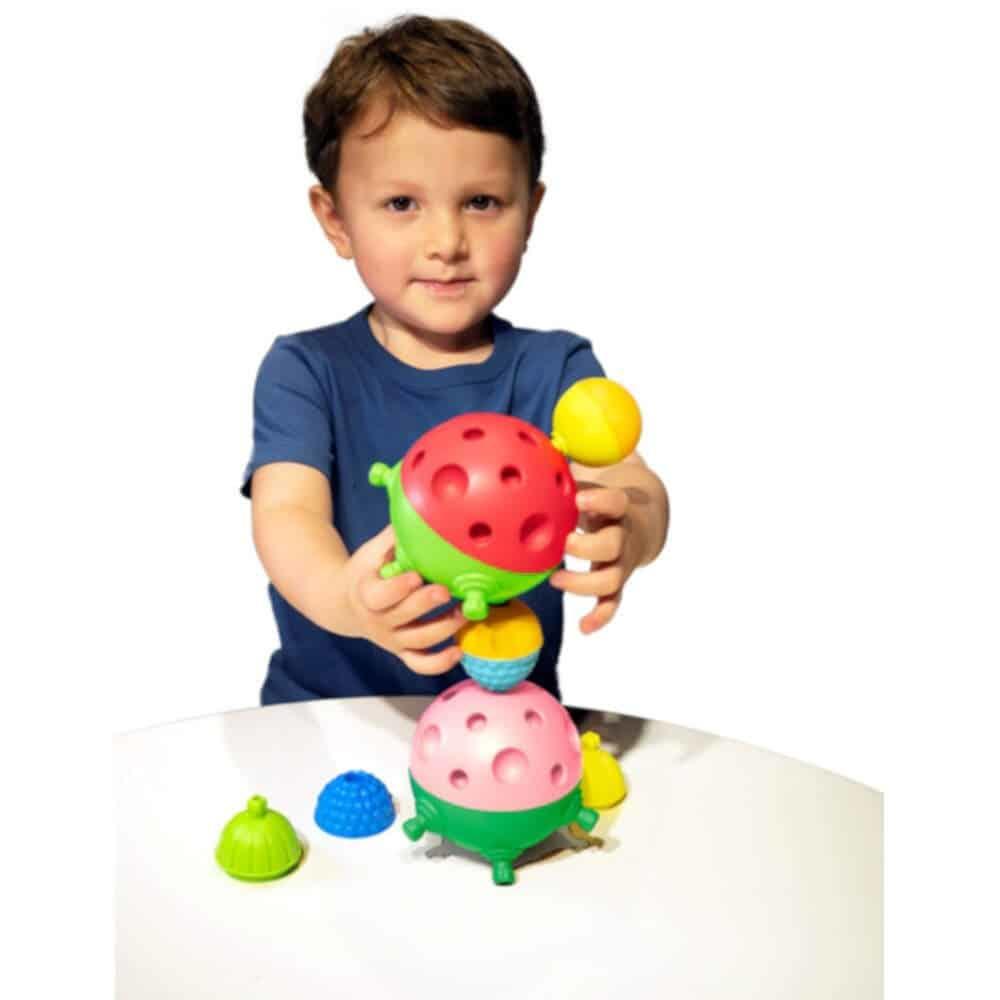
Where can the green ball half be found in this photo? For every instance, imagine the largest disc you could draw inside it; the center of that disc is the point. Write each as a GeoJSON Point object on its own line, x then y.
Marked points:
{"type": "Point", "coordinates": [420, 548]}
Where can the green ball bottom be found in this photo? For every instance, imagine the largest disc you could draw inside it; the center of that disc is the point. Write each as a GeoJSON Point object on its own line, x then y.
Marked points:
{"type": "Point", "coordinates": [500, 837]}
{"type": "Point", "coordinates": [418, 547]}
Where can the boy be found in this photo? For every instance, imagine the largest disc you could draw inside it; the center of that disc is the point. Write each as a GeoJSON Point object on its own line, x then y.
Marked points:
{"type": "Point", "coordinates": [426, 139]}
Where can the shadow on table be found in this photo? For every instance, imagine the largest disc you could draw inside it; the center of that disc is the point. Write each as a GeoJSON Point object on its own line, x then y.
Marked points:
{"type": "Point", "coordinates": [620, 734]}
{"type": "Point", "coordinates": [266, 763]}
{"type": "Point", "coordinates": [560, 844]}
{"type": "Point", "coordinates": [409, 706]}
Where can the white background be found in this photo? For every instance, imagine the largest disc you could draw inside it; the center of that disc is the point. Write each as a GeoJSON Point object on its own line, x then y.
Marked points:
{"type": "Point", "coordinates": [778, 222]}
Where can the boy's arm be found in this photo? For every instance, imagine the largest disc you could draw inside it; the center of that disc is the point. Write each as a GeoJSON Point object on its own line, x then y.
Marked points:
{"type": "Point", "coordinates": [300, 550]}
{"type": "Point", "coordinates": [309, 565]}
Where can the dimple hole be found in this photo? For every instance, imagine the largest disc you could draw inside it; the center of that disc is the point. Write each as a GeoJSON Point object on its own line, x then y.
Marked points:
{"type": "Point", "coordinates": [450, 482]}
{"type": "Point", "coordinates": [417, 459]}
{"type": "Point", "coordinates": [536, 532]}
{"type": "Point", "coordinates": [558, 774]}
{"type": "Point", "coordinates": [527, 438]}
{"type": "Point", "coordinates": [510, 766]}
{"type": "Point", "coordinates": [510, 476]}
{"type": "Point", "coordinates": [533, 718]}
{"type": "Point", "coordinates": [473, 434]}
{"type": "Point", "coordinates": [476, 722]}
{"type": "Point", "coordinates": [430, 742]}
{"type": "Point", "coordinates": [450, 693]}
{"type": "Point", "coordinates": [480, 533]}
{"type": "Point", "coordinates": [459, 779]}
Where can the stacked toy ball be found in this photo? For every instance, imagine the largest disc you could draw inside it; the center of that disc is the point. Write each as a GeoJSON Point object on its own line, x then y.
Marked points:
{"type": "Point", "coordinates": [496, 772]}
{"type": "Point", "coordinates": [502, 650]}
{"type": "Point", "coordinates": [482, 503]}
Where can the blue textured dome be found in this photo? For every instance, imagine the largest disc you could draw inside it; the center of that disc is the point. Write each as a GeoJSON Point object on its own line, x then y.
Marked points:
{"type": "Point", "coordinates": [354, 804]}
{"type": "Point", "coordinates": [499, 675]}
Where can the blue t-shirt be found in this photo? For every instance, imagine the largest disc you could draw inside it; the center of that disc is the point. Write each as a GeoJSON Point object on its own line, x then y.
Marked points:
{"type": "Point", "coordinates": [335, 399]}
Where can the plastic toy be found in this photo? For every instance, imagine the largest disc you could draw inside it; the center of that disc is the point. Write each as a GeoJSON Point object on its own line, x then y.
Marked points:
{"type": "Point", "coordinates": [496, 772]}
{"type": "Point", "coordinates": [354, 804]}
{"type": "Point", "coordinates": [483, 504]}
{"type": "Point", "coordinates": [259, 844]}
{"type": "Point", "coordinates": [597, 422]}
{"type": "Point", "coordinates": [603, 785]}
{"type": "Point", "coordinates": [501, 651]}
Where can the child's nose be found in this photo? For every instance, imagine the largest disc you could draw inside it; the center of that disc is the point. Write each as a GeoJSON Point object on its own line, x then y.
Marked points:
{"type": "Point", "coordinates": [446, 236]}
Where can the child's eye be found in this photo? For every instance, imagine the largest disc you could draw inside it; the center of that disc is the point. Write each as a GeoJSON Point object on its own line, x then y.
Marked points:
{"type": "Point", "coordinates": [478, 201]}
{"type": "Point", "coordinates": [400, 203]}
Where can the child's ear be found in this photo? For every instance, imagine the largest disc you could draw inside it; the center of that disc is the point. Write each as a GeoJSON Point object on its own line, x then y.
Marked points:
{"type": "Point", "coordinates": [331, 221]}
{"type": "Point", "coordinates": [536, 200]}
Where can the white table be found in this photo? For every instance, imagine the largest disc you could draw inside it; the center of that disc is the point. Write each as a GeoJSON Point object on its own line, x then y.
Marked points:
{"type": "Point", "coordinates": [727, 872]}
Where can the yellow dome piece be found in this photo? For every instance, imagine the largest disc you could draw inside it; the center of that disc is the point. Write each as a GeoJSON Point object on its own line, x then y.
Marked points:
{"type": "Point", "coordinates": [509, 632]}
{"type": "Point", "coordinates": [603, 784]}
{"type": "Point", "coordinates": [596, 422]}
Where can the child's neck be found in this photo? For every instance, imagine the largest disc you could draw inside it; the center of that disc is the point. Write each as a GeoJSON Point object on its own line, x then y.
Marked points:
{"type": "Point", "coordinates": [429, 351]}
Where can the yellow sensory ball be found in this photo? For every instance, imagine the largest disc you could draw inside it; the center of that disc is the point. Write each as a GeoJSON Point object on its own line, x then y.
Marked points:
{"type": "Point", "coordinates": [596, 422]}
{"type": "Point", "coordinates": [511, 631]}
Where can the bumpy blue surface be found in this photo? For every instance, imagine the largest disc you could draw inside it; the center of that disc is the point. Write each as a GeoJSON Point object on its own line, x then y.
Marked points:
{"type": "Point", "coordinates": [354, 804]}
{"type": "Point", "coordinates": [499, 675]}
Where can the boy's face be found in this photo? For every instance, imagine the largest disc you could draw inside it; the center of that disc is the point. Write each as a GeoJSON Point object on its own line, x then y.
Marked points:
{"type": "Point", "coordinates": [435, 219]}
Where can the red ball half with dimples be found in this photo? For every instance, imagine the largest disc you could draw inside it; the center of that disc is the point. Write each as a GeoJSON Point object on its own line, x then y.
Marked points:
{"type": "Point", "coordinates": [494, 487]}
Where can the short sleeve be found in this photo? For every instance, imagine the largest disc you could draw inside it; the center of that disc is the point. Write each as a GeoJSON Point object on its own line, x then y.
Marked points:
{"type": "Point", "coordinates": [581, 362]}
{"type": "Point", "coordinates": [291, 411]}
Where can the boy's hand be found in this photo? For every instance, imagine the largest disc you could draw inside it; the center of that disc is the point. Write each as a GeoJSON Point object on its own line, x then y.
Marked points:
{"type": "Point", "coordinates": [610, 543]}
{"type": "Point", "coordinates": [386, 611]}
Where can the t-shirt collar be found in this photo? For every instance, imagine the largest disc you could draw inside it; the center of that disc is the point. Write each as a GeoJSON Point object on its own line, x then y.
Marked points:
{"type": "Point", "coordinates": [389, 364]}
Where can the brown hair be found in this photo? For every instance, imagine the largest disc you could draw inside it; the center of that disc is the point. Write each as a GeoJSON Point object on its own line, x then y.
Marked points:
{"type": "Point", "coordinates": [445, 70]}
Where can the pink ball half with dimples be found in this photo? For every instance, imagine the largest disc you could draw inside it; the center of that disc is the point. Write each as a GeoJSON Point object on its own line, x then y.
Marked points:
{"type": "Point", "coordinates": [496, 751]}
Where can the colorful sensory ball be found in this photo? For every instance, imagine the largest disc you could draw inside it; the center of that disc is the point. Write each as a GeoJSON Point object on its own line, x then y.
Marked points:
{"type": "Point", "coordinates": [496, 772]}
{"type": "Point", "coordinates": [501, 651]}
{"type": "Point", "coordinates": [482, 504]}
{"type": "Point", "coordinates": [354, 804]}
{"type": "Point", "coordinates": [596, 422]}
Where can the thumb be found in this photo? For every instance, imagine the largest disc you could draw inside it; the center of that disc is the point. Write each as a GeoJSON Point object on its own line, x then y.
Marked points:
{"type": "Point", "coordinates": [378, 549]}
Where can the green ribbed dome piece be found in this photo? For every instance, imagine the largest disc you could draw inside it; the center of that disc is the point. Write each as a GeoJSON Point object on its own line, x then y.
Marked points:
{"type": "Point", "coordinates": [259, 844]}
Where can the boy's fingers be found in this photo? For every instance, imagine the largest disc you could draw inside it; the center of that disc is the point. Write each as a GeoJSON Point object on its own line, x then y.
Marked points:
{"type": "Point", "coordinates": [603, 612]}
{"type": "Point", "coordinates": [378, 550]}
{"type": "Point", "coordinates": [608, 501]}
{"type": "Point", "coordinates": [381, 543]}
{"type": "Point", "coordinates": [599, 582]}
{"type": "Point", "coordinates": [430, 633]}
{"type": "Point", "coordinates": [430, 664]}
{"type": "Point", "coordinates": [379, 595]}
{"type": "Point", "coordinates": [421, 601]}
{"type": "Point", "coordinates": [601, 546]}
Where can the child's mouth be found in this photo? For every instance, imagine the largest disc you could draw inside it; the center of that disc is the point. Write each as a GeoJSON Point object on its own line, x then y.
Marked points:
{"type": "Point", "coordinates": [446, 287]}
